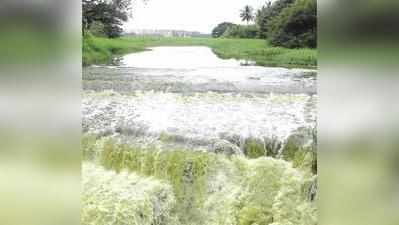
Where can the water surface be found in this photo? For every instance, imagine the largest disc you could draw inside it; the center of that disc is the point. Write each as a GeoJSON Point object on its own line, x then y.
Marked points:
{"type": "Point", "coordinates": [190, 93]}
{"type": "Point", "coordinates": [176, 58]}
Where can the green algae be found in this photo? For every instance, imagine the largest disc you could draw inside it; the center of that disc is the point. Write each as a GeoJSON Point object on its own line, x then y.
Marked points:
{"type": "Point", "coordinates": [274, 192]}
{"type": "Point", "coordinates": [165, 137]}
{"type": "Point", "coordinates": [88, 146]}
{"type": "Point", "coordinates": [214, 189]}
{"type": "Point", "coordinates": [185, 171]}
{"type": "Point", "coordinates": [302, 157]}
{"type": "Point", "coordinates": [254, 149]}
{"type": "Point", "coordinates": [125, 199]}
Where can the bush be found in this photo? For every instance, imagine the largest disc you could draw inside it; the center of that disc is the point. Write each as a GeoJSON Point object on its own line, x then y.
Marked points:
{"type": "Point", "coordinates": [295, 26]}
{"type": "Point", "coordinates": [241, 31]}
{"type": "Point", "coordinates": [267, 12]}
{"type": "Point", "coordinates": [220, 29]}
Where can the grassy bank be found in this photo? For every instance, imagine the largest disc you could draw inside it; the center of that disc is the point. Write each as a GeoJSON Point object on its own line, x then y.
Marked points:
{"type": "Point", "coordinates": [96, 50]}
{"type": "Point", "coordinates": [101, 50]}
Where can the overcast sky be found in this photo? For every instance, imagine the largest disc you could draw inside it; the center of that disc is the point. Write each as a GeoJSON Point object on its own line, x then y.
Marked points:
{"type": "Point", "coordinates": [190, 15]}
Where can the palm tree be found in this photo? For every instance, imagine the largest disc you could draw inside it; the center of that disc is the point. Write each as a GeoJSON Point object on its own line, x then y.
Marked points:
{"type": "Point", "coordinates": [247, 14]}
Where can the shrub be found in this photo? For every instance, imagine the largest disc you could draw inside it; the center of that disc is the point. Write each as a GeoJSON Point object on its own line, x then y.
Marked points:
{"type": "Point", "coordinates": [219, 30]}
{"type": "Point", "coordinates": [267, 12]}
{"type": "Point", "coordinates": [295, 26]}
{"type": "Point", "coordinates": [241, 31]}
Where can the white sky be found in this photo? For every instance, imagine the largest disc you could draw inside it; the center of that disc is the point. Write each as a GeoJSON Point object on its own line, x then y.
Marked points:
{"type": "Point", "coordinates": [190, 15]}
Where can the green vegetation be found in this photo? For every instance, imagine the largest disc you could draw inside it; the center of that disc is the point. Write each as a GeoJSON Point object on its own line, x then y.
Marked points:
{"type": "Point", "coordinates": [186, 187]}
{"type": "Point", "coordinates": [112, 198]}
{"type": "Point", "coordinates": [295, 26]}
{"type": "Point", "coordinates": [254, 149]}
{"type": "Point", "coordinates": [247, 14]}
{"type": "Point", "coordinates": [303, 157]}
{"type": "Point", "coordinates": [88, 147]}
{"type": "Point", "coordinates": [108, 15]}
{"type": "Point", "coordinates": [126, 184]}
{"type": "Point", "coordinates": [98, 50]}
{"type": "Point", "coordinates": [267, 12]}
{"type": "Point", "coordinates": [187, 172]}
{"type": "Point", "coordinates": [219, 30]}
{"type": "Point", "coordinates": [285, 23]}
{"type": "Point", "coordinates": [241, 31]}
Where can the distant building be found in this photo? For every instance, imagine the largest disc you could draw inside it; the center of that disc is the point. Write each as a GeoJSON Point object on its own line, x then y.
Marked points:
{"type": "Point", "coordinates": [166, 33]}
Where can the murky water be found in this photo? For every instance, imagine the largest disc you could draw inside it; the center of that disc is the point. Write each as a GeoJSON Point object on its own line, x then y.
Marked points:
{"type": "Point", "coordinates": [191, 94]}
{"type": "Point", "coordinates": [177, 58]}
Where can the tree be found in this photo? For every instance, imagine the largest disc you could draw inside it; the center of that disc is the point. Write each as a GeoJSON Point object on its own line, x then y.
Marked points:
{"type": "Point", "coordinates": [261, 19]}
{"type": "Point", "coordinates": [220, 29]}
{"type": "Point", "coordinates": [247, 14]}
{"type": "Point", "coordinates": [111, 13]}
{"type": "Point", "coordinates": [295, 26]}
{"type": "Point", "coordinates": [267, 13]}
{"type": "Point", "coordinates": [278, 6]}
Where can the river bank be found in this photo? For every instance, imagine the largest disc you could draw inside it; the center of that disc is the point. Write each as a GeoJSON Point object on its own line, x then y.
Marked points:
{"type": "Point", "coordinates": [97, 50]}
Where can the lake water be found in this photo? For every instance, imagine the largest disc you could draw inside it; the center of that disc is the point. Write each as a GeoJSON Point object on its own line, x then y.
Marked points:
{"type": "Point", "coordinates": [196, 98]}
{"type": "Point", "coordinates": [177, 58]}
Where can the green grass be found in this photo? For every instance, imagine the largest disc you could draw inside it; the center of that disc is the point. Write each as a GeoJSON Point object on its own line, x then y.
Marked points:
{"type": "Point", "coordinates": [98, 50]}
{"type": "Point", "coordinates": [101, 50]}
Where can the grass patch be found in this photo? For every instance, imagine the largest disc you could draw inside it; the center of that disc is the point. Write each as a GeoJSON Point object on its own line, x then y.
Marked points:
{"type": "Point", "coordinates": [101, 50]}
{"type": "Point", "coordinates": [97, 50]}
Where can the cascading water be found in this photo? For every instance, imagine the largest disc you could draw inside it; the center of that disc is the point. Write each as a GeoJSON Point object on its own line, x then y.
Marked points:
{"type": "Point", "coordinates": [208, 188]}
{"type": "Point", "coordinates": [216, 142]}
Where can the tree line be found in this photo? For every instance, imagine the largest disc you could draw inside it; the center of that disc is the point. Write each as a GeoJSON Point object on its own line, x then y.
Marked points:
{"type": "Point", "coordinates": [105, 17]}
{"type": "Point", "coordinates": [286, 23]}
